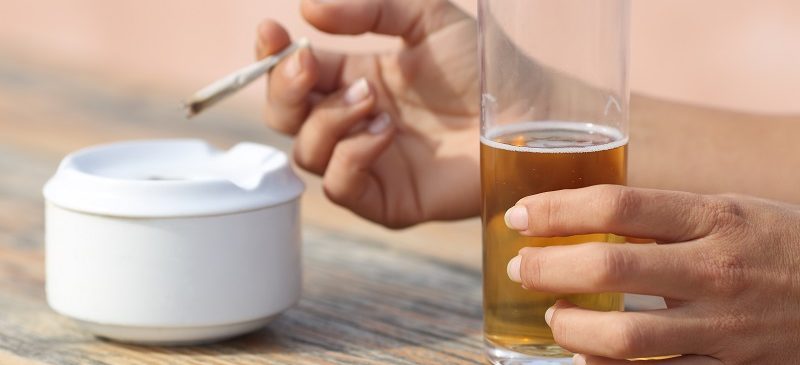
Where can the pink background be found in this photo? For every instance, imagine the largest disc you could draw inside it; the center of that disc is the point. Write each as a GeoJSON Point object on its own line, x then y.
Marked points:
{"type": "Point", "coordinates": [738, 54]}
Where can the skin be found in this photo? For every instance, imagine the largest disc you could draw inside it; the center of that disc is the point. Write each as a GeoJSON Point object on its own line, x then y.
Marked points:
{"type": "Point", "coordinates": [725, 264]}
{"type": "Point", "coordinates": [429, 154]}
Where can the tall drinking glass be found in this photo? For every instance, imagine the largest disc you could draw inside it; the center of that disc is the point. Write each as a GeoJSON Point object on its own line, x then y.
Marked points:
{"type": "Point", "coordinates": [554, 84]}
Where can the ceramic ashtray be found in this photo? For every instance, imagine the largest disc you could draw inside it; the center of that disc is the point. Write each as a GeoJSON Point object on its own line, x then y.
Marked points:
{"type": "Point", "coordinates": [172, 242]}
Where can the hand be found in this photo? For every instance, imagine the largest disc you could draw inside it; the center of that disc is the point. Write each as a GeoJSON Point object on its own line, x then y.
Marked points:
{"type": "Point", "coordinates": [394, 135]}
{"type": "Point", "coordinates": [728, 268]}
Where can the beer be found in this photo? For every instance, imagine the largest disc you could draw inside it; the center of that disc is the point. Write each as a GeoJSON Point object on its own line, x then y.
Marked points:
{"type": "Point", "coordinates": [525, 159]}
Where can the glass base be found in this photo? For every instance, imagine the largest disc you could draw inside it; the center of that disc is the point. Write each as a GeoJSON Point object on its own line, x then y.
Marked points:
{"type": "Point", "coordinates": [527, 355]}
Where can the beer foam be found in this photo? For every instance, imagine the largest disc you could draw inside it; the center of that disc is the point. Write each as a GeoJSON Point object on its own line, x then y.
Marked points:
{"type": "Point", "coordinates": [618, 138]}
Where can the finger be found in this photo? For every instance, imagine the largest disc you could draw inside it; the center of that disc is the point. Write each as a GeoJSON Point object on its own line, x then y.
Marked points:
{"type": "Point", "coordinates": [631, 268]}
{"type": "Point", "coordinates": [349, 180]}
{"type": "Point", "coordinates": [662, 215]}
{"type": "Point", "coordinates": [290, 83]}
{"type": "Point", "coordinates": [625, 335]}
{"type": "Point", "coordinates": [603, 267]}
{"type": "Point", "coordinates": [272, 38]}
{"type": "Point", "coordinates": [330, 121]}
{"type": "Point", "coordinates": [412, 20]}
{"type": "Point", "coordinates": [680, 360]}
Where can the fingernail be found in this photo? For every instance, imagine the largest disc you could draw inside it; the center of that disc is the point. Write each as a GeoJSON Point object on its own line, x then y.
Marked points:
{"type": "Point", "coordinates": [548, 314]}
{"type": "Point", "coordinates": [579, 359]}
{"type": "Point", "coordinates": [380, 124]}
{"type": "Point", "coordinates": [513, 269]}
{"type": "Point", "coordinates": [517, 218]}
{"type": "Point", "coordinates": [357, 92]}
{"type": "Point", "coordinates": [293, 67]}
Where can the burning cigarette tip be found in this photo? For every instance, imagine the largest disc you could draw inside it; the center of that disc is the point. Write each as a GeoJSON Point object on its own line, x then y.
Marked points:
{"type": "Point", "coordinates": [191, 109]}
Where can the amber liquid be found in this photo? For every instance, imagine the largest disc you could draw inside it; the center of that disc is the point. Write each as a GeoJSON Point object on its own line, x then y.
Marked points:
{"type": "Point", "coordinates": [532, 158]}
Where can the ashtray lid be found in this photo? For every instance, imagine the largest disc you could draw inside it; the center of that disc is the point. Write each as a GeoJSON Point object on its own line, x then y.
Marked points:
{"type": "Point", "coordinates": [172, 178]}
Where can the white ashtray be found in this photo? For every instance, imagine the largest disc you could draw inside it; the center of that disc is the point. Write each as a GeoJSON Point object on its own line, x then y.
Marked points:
{"type": "Point", "coordinates": [171, 242]}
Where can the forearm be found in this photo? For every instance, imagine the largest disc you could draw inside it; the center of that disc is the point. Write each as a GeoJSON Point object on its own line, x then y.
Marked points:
{"type": "Point", "coordinates": [681, 147]}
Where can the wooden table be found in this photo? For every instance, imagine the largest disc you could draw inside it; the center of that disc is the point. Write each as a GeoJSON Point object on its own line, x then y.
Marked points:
{"type": "Point", "coordinates": [367, 299]}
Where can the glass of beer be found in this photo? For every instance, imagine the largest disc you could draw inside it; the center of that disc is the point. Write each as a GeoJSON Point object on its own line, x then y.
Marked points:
{"type": "Point", "coordinates": [555, 97]}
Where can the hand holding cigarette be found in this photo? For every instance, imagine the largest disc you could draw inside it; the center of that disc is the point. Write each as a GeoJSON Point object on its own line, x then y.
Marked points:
{"type": "Point", "coordinates": [391, 132]}
{"type": "Point", "coordinates": [237, 80]}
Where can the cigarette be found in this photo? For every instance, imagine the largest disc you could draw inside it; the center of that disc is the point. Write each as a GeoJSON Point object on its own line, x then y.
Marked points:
{"type": "Point", "coordinates": [237, 80]}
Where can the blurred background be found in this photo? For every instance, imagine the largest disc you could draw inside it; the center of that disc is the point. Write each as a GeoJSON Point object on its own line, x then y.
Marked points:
{"type": "Point", "coordinates": [727, 53]}
{"type": "Point", "coordinates": [80, 72]}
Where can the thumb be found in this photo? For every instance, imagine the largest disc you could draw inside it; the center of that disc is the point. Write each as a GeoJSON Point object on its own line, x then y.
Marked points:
{"type": "Point", "coordinates": [412, 20]}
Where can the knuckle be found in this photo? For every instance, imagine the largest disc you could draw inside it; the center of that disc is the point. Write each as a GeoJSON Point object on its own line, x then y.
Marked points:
{"type": "Point", "coordinates": [338, 193]}
{"type": "Point", "coordinates": [550, 210]}
{"type": "Point", "coordinates": [613, 265]}
{"type": "Point", "coordinates": [342, 185]}
{"type": "Point", "coordinates": [342, 163]}
{"type": "Point", "coordinates": [331, 192]}
{"type": "Point", "coordinates": [285, 128]}
{"type": "Point", "coordinates": [330, 121]}
{"type": "Point", "coordinates": [345, 157]}
{"type": "Point", "coordinates": [731, 322]}
{"type": "Point", "coordinates": [561, 331]}
{"type": "Point", "coordinates": [278, 124]}
{"type": "Point", "coordinates": [528, 202]}
{"type": "Point", "coordinates": [544, 213]}
{"type": "Point", "coordinates": [322, 114]}
{"type": "Point", "coordinates": [305, 160]}
{"type": "Point", "coordinates": [725, 273]}
{"type": "Point", "coordinates": [622, 203]}
{"type": "Point", "coordinates": [531, 272]}
{"type": "Point", "coordinates": [727, 214]}
{"type": "Point", "coordinates": [626, 340]}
